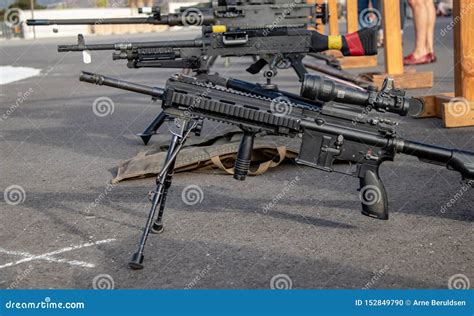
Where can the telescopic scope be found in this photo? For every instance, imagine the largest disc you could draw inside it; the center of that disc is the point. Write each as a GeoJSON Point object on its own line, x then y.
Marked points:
{"type": "Point", "coordinates": [388, 99]}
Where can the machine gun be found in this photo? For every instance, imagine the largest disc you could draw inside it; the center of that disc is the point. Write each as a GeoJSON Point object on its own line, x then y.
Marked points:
{"type": "Point", "coordinates": [232, 13]}
{"type": "Point", "coordinates": [235, 20]}
{"type": "Point", "coordinates": [280, 47]}
{"type": "Point", "coordinates": [331, 132]}
{"type": "Point", "coordinates": [276, 48]}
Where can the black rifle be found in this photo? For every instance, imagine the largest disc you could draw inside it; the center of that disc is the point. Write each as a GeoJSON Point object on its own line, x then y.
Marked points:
{"type": "Point", "coordinates": [340, 130]}
{"type": "Point", "coordinates": [223, 12]}
{"type": "Point", "coordinates": [280, 47]}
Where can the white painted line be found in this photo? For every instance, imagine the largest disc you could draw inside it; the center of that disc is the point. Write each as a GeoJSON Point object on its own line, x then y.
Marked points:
{"type": "Point", "coordinates": [10, 74]}
{"type": "Point", "coordinates": [27, 257]}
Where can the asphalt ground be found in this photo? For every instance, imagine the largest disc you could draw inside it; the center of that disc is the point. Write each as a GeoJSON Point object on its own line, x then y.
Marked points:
{"type": "Point", "coordinates": [62, 155]}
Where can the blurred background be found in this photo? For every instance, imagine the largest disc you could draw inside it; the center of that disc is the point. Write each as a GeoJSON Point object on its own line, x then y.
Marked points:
{"type": "Point", "coordinates": [13, 13]}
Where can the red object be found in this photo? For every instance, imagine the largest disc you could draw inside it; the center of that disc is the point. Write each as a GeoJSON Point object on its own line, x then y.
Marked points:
{"type": "Point", "coordinates": [433, 57]}
{"type": "Point", "coordinates": [354, 44]}
{"type": "Point", "coordinates": [425, 59]}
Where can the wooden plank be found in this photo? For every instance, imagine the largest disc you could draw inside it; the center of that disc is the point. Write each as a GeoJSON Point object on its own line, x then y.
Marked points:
{"type": "Point", "coordinates": [464, 49]}
{"type": "Point", "coordinates": [352, 16]}
{"type": "Point", "coordinates": [440, 100]}
{"type": "Point", "coordinates": [392, 37]}
{"type": "Point", "coordinates": [412, 80]}
{"type": "Point", "coordinates": [429, 108]}
{"type": "Point", "coordinates": [333, 17]}
{"type": "Point", "coordinates": [458, 113]}
{"type": "Point", "coordinates": [351, 62]}
{"type": "Point", "coordinates": [433, 104]}
{"type": "Point", "coordinates": [334, 53]}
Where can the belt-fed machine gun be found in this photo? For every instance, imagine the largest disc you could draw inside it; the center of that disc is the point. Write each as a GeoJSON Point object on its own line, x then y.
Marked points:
{"type": "Point", "coordinates": [281, 47]}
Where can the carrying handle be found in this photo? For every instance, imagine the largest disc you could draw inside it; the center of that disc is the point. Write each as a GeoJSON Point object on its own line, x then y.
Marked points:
{"type": "Point", "coordinates": [373, 194]}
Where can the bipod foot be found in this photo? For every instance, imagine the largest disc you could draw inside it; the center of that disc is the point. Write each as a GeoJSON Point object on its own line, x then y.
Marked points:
{"type": "Point", "coordinates": [145, 137]}
{"type": "Point", "coordinates": [137, 261]}
{"type": "Point", "coordinates": [157, 228]}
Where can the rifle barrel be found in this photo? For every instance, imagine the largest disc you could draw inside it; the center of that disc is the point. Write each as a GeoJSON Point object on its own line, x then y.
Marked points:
{"type": "Point", "coordinates": [120, 84]}
{"type": "Point", "coordinates": [93, 21]}
{"type": "Point", "coordinates": [122, 46]}
{"type": "Point", "coordinates": [206, 17]}
{"type": "Point", "coordinates": [78, 48]}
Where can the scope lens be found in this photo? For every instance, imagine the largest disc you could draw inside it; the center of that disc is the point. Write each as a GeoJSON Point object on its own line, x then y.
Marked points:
{"type": "Point", "coordinates": [310, 87]}
{"type": "Point", "coordinates": [416, 107]}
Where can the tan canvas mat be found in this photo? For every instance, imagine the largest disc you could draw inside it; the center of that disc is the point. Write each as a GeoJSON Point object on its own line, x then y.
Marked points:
{"type": "Point", "coordinates": [211, 154]}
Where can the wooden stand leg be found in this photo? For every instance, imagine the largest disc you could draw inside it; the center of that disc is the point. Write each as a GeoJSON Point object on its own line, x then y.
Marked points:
{"type": "Point", "coordinates": [352, 16]}
{"type": "Point", "coordinates": [333, 17]}
{"type": "Point", "coordinates": [458, 111]}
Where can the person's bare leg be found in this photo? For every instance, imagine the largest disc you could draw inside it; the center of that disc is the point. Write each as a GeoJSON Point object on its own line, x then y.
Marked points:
{"type": "Point", "coordinates": [420, 18]}
{"type": "Point", "coordinates": [431, 12]}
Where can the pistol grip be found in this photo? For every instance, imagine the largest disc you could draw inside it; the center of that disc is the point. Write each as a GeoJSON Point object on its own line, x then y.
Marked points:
{"type": "Point", "coordinates": [373, 195]}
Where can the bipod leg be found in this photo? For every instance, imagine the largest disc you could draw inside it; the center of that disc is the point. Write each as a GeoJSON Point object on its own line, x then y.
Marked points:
{"type": "Point", "coordinates": [211, 61]}
{"type": "Point", "coordinates": [177, 143]}
{"type": "Point", "coordinates": [151, 129]}
{"type": "Point", "coordinates": [157, 226]}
